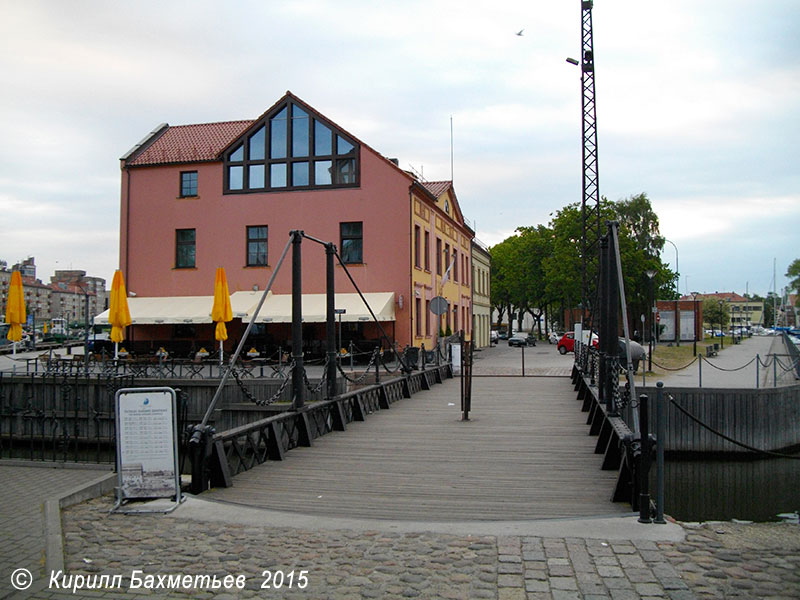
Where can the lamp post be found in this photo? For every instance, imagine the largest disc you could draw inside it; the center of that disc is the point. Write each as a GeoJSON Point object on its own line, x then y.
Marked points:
{"type": "Point", "coordinates": [721, 330]}
{"type": "Point", "coordinates": [651, 273]}
{"type": "Point", "coordinates": [694, 312]}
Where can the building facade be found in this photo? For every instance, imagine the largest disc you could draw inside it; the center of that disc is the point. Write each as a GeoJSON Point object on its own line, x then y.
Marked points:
{"type": "Point", "coordinates": [197, 197]}
{"type": "Point", "coordinates": [481, 294]}
{"type": "Point", "coordinates": [744, 312]}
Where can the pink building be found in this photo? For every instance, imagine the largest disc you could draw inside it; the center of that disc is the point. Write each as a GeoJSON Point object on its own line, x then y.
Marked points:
{"type": "Point", "coordinates": [196, 197]}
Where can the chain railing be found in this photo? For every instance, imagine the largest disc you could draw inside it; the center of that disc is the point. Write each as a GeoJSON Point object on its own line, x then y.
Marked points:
{"type": "Point", "coordinates": [366, 372]}
{"type": "Point", "coordinates": [272, 399]}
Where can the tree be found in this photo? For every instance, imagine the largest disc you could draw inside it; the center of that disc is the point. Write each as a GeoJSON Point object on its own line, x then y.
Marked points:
{"type": "Point", "coordinates": [501, 280]}
{"type": "Point", "coordinates": [793, 273]}
{"type": "Point", "coordinates": [716, 313]}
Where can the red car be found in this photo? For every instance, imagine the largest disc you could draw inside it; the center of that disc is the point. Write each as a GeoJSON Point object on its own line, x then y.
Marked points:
{"type": "Point", "coordinates": [567, 341]}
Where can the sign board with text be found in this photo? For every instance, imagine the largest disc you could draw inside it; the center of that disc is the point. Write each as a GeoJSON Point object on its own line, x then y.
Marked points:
{"type": "Point", "coordinates": [147, 444]}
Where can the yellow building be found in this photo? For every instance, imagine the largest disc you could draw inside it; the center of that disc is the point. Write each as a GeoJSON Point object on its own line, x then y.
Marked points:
{"type": "Point", "coordinates": [441, 262]}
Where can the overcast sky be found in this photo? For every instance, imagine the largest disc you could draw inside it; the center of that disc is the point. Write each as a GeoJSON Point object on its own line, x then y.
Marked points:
{"type": "Point", "coordinates": [698, 106]}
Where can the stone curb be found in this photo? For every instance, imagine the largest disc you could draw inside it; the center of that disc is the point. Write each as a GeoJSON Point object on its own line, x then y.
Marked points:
{"type": "Point", "coordinates": [54, 538]}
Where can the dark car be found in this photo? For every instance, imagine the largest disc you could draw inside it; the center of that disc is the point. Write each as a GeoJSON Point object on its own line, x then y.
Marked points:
{"type": "Point", "coordinates": [522, 339]}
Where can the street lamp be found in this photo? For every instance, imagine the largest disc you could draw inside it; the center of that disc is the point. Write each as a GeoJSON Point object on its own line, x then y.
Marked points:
{"type": "Point", "coordinates": [694, 312]}
{"type": "Point", "coordinates": [722, 331]}
{"type": "Point", "coordinates": [651, 273]}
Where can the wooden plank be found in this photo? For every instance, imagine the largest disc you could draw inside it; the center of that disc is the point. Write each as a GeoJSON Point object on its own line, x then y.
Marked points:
{"type": "Point", "coordinates": [524, 454]}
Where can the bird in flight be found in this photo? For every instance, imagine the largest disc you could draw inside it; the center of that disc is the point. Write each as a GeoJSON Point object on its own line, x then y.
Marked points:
{"type": "Point", "coordinates": [519, 33]}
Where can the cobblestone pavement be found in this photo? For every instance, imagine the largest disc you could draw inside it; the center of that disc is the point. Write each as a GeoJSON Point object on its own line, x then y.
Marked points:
{"type": "Point", "coordinates": [714, 561]}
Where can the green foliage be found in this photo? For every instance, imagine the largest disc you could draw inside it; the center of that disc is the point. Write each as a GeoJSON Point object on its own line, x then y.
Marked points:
{"type": "Point", "coordinates": [542, 265]}
{"type": "Point", "coordinates": [448, 332]}
{"type": "Point", "coordinates": [716, 312]}
{"type": "Point", "coordinates": [793, 273]}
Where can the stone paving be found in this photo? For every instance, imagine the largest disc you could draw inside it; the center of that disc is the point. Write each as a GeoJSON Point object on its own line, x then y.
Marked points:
{"type": "Point", "coordinates": [22, 536]}
{"type": "Point", "coordinates": [714, 561]}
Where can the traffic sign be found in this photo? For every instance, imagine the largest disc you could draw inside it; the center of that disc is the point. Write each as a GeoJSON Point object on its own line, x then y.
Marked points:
{"type": "Point", "coordinates": [439, 305]}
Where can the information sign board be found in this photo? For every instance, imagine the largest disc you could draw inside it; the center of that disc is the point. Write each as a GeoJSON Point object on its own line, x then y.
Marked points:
{"type": "Point", "coordinates": [455, 353]}
{"type": "Point", "coordinates": [147, 444]}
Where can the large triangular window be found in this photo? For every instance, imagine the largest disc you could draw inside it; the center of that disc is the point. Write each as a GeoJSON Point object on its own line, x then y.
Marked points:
{"type": "Point", "coordinates": [291, 149]}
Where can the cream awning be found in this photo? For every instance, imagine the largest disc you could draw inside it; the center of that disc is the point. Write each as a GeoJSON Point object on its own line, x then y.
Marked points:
{"type": "Point", "coordinates": [277, 308]}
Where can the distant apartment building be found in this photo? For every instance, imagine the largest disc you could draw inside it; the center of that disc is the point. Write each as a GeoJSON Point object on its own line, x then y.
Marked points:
{"type": "Point", "coordinates": [65, 297]}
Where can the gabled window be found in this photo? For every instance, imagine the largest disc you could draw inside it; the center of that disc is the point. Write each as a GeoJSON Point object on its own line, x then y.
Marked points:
{"type": "Point", "coordinates": [291, 149]}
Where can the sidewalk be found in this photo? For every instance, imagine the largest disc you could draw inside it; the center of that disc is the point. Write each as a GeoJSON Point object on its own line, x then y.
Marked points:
{"type": "Point", "coordinates": [733, 367]}
{"type": "Point", "coordinates": [23, 493]}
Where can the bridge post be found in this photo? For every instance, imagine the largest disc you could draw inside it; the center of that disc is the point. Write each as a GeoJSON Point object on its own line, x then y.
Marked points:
{"type": "Point", "coordinates": [298, 387]}
{"type": "Point", "coordinates": [661, 434]}
{"type": "Point", "coordinates": [330, 321]}
{"type": "Point", "coordinates": [643, 463]}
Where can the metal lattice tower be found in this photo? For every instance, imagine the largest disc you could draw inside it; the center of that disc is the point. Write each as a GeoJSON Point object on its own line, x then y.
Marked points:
{"type": "Point", "coordinates": [590, 205]}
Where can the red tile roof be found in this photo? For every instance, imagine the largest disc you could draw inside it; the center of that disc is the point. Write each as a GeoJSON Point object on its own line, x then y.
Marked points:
{"type": "Point", "coordinates": [726, 296]}
{"type": "Point", "coordinates": [437, 188]}
{"type": "Point", "coordinates": [190, 143]}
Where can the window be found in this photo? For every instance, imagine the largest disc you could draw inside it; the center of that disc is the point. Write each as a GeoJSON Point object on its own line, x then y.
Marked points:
{"type": "Point", "coordinates": [455, 318]}
{"type": "Point", "coordinates": [185, 248]}
{"type": "Point", "coordinates": [291, 149]}
{"type": "Point", "coordinates": [416, 245]}
{"type": "Point", "coordinates": [446, 257]}
{"type": "Point", "coordinates": [455, 264]}
{"type": "Point", "coordinates": [427, 317]}
{"type": "Point", "coordinates": [438, 256]}
{"type": "Point", "coordinates": [188, 183]}
{"type": "Point", "coordinates": [427, 250]}
{"type": "Point", "coordinates": [352, 242]}
{"type": "Point", "coordinates": [257, 246]}
{"type": "Point", "coordinates": [418, 316]}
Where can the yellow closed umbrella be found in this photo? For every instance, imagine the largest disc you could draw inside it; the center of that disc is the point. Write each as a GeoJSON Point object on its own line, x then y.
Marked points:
{"type": "Point", "coordinates": [15, 309]}
{"type": "Point", "coordinates": [221, 312]}
{"type": "Point", "coordinates": [118, 314]}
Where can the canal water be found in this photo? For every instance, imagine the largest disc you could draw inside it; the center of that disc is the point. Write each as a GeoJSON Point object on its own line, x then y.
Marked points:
{"type": "Point", "coordinates": [721, 490]}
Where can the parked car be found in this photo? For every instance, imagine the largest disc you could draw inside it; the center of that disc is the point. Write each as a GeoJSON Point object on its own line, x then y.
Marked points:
{"type": "Point", "coordinates": [554, 337]}
{"type": "Point", "coordinates": [567, 341]}
{"type": "Point", "coordinates": [503, 335]}
{"type": "Point", "coordinates": [522, 339]}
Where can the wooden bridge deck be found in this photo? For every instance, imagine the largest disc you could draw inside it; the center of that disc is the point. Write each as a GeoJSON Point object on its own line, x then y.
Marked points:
{"type": "Point", "coordinates": [524, 454]}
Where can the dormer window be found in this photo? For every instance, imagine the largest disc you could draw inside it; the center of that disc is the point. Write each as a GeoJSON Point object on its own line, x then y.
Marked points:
{"type": "Point", "coordinates": [291, 149]}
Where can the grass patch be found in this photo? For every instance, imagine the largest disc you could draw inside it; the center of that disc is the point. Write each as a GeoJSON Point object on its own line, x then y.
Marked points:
{"type": "Point", "coordinates": [669, 358]}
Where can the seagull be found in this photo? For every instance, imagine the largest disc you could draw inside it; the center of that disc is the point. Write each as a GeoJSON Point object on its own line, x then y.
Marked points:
{"type": "Point", "coordinates": [519, 33]}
